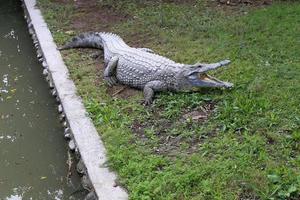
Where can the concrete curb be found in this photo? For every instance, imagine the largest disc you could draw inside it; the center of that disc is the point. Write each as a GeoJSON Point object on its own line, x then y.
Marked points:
{"type": "Point", "coordinates": [78, 127]}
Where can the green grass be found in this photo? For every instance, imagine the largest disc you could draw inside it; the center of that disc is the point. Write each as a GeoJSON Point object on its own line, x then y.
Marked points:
{"type": "Point", "coordinates": [249, 147]}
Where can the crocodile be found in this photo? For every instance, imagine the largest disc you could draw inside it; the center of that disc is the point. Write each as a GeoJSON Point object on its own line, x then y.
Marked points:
{"type": "Point", "coordinates": [143, 69]}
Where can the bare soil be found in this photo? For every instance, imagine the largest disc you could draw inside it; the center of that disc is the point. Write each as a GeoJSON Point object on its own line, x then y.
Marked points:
{"type": "Point", "coordinates": [245, 2]}
{"type": "Point", "coordinates": [171, 144]}
{"type": "Point", "coordinates": [91, 16]}
{"type": "Point", "coordinates": [248, 194]}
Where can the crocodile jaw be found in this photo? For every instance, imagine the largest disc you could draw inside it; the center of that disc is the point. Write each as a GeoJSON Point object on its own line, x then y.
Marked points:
{"type": "Point", "coordinates": [206, 80]}
{"type": "Point", "coordinates": [202, 80]}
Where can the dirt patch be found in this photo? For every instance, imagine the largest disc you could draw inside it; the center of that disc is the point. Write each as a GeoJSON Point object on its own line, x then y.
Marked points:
{"type": "Point", "coordinates": [180, 1]}
{"type": "Point", "coordinates": [91, 16]}
{"type": "Point", "coordinates": [139, 40]}
{"type": "Point", "coordinates": [61, 1]}
{"type": "Point", "coordinates": [200, 114]}
{"type": "Point", "coordinates": [245, 2]}
{"type": "Point", "coordinates": [248, 194]}
{"type": "Point", "coordinates": [169, 143]}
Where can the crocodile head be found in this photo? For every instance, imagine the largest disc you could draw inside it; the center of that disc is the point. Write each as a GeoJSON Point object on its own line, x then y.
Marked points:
{"type": "Point", "coordinates": [194, 77]}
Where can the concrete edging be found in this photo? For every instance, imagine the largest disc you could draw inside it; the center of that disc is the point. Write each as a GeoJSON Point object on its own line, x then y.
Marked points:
{"type": "Point", "coordinates": [78, 126]}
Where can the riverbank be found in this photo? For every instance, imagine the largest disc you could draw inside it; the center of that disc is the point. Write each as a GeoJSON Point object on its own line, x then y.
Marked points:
{"type": "Point", "coordinates": [215, 144]}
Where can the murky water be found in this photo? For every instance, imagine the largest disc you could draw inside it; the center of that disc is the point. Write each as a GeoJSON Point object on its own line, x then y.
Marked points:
{"type": "Point", "coordinates": [33, 153]}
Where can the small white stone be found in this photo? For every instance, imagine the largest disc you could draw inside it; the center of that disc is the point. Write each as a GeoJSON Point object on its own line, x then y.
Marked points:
{"type": "Point", "coordinates": [39, 55]}
{"type": "Point", "coordinates": [72, 145]}
{"type": "Point", "coordinates": [62, 117]}
{"type": "Point", "coordinates": [67, 136]}
{"type": "Point", "coordinates": [29, 25]}
{"type": "Point", "coordinates": [65, 124]}
{"type": "Point", "coordinates": [54, 93]}
{"type": "Point", "coordinates": [67, 130]}
{"type": "Point", "coordinates": [31, 32]}
{"type": "Point", "coordinates": [57, 99]}
{"type": "Point", "coordinates": [60, 108]}
{"type": "Point", "coordinates": [45, 72]}
{"type": "Point", "coordinates": [44, 64]}
{"type": "Point", "coordinates": [51, 85]}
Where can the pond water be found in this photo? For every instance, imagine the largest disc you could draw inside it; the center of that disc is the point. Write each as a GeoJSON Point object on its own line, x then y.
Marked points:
{"type": "Point", "coordinates": [33, 153]}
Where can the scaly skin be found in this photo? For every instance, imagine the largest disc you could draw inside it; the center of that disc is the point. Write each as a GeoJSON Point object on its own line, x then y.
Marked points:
{"type": "Point", "coordinates": [143, 69]}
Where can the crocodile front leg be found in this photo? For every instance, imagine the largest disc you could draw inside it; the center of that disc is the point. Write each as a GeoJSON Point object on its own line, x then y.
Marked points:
{"type": "Point", "coordinates": [110, 71]}
{"type": "Point", "coordinates": [150, 88]}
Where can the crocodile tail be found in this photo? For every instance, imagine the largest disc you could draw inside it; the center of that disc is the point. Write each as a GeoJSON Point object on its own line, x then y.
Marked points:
{"type": "Point", "coordinates": [85, 40]}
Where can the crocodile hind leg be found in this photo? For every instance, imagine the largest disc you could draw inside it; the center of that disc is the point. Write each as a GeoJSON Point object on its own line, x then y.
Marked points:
{"type": "Point", "coordinates": [110, 71]}
{"type": "Point", "coordinates": [150, 88]}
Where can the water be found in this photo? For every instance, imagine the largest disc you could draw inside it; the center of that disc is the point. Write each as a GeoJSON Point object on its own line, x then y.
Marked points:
{"type": "Point", "coordinates": [33, 153]}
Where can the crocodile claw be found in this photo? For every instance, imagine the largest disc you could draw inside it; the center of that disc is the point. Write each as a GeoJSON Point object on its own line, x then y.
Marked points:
{"type": "Point", "coordinates": [111, 81]}
{"type": "Point", "coordinates": [147, 102]}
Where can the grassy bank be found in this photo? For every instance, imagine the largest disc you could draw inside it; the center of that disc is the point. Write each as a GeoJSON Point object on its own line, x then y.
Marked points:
{"type": "Point", "coordinates": [233, 144]}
